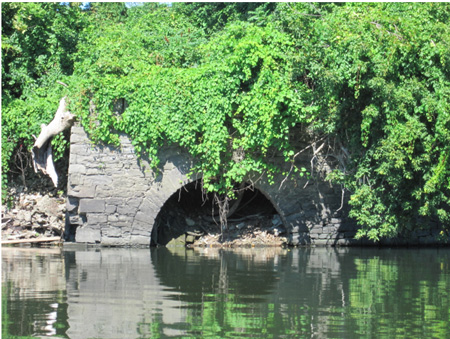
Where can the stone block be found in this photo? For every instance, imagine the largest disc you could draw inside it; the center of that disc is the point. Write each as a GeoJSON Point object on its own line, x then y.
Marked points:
{"type": "Point", "coordinates": [299, 239]}
{"type": "Point", "coordinates": [75, 179]}
{"type": "Point", "coordinates": [80, 149]}
{"type": "Point", "coordinates": [78, 138]}
{"type": "Point", "coordinates": [115, 241]}
{"type": "Point", "coordinates": [75, 220]}
{"type": "Point", "coordinates": [77, 169]}
{"type": "Point", "coordinates": [112, 231]}
{"type": "Point", "coordinates": [144, 232]}
{"type": "Point", "coordinates": [115, 201]}
{"type": "Point", "coordinates": [71, 204]}
{"type": "Point", "coordinates": [140, 240]}
{"type": "Point", "coordinates": [126, 210]}
{"type": "Point", "coordinates": [125, 218]}
{"type": "Point", "coordinates": [134, 202]}
{"type": "Point", "coordinates": [91, 206]}
{"type": "Point", "coordinates": [96, 218]}
{"type": "Point", "coordinates": [82, 192]}
{"type": "Point", "coordinates": [98, 180]}
{"type": "Point", "coordinates": [112, 218]}
{"type": "Point", "coordinates": [88, 235]}
{"type": "Point", "coordinates": [316, 230]}
{"type": "Point", "coordinates": [141, 227]}
{"type": "Point", "coordinates": [93, 171]}
{"type": "Point", "coordinates": [143, 217]}
{"type": "Point", "coordinates": [329, 229]}
{"type": "Point", "coordinates": [104, 191]}
{"type": "Point", "coordinates": [109, 209]}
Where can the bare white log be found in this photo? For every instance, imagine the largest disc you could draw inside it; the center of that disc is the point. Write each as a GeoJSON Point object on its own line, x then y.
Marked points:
{"type": "Point", "coordinates": [42, 150]}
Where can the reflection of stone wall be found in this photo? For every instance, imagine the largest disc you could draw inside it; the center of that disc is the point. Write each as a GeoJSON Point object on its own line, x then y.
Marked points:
{"type": "Point", "coordinates": [113, 199]}
{"type": "Point", "coordinates": [35, 289]}
{"type": "Point", "coordinates": [120, 293]}
{"type": "Point", "coordinates": [19, 264]}
{"type": "Point", "coordinates": [116, 294]}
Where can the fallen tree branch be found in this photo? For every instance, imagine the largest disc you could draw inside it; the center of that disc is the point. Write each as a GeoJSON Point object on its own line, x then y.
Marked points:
{"type": "Point", "coordinates": [41, 152]}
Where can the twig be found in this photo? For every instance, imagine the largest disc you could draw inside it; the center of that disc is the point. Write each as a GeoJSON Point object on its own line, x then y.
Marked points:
{"type": "Point", "coordinates": [342, 199]}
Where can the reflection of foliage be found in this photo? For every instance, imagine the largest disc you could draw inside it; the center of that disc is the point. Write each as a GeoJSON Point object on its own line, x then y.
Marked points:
{"type": "Point", "coordinates": [228, 316]}
{"type": "Point", "coordinates": [5, 317]}
{"type": "Point", "coordinates": [6, 290]}
{"type": "Point", "coordinates": [389, 298]}
{"type": "Point", "coordinates": [230, 300]}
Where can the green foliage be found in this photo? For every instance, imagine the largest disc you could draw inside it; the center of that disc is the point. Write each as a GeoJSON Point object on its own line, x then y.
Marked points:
{"type": "Point", "coordinates": [213, 16]}
{"type": "Point", "coordinates": [229, 81]}
{"type": "Point", "coordinates": [231, 94]}
{"type": "Point", "coordinates": [38, 42]}
{"type": "Point", "coordinates": [38, 45]}
{"type": "Point", "coordinates": [381, 76]}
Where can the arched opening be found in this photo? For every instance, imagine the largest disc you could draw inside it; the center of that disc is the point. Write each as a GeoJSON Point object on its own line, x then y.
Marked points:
{"type": "Point", "coordinates": [190, 217]}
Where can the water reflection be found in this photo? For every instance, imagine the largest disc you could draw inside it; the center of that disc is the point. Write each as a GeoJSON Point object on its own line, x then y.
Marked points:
{"type": "Point", "coordinates": [269, 293]}
{"type": "Point", "coordinates": [33, 293]}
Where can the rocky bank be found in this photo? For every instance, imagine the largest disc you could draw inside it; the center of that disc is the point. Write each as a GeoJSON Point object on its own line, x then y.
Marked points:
{"type": "Point", "coordinates": [37, 215]}
{"type": "Point", "coordinates": [33, 215]}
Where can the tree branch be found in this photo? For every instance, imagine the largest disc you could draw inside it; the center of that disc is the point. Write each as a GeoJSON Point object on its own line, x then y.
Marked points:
{"type": "Point", "coordinates": [42, 150]}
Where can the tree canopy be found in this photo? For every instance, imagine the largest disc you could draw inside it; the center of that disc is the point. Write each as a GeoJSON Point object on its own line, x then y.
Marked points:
{"type": "Point", "coordinates": [232, 79]}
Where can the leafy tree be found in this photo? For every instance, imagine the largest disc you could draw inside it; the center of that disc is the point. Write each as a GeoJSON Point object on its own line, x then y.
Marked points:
{"type": "Point", "coordinates": [38, 45]}
{"type": "Point", "coordinates": [228, 100]}
{"type": "Point", "coordinates": [380, 74]}
{"type": "Point", "coordinates": [229, 81]}
{"type": "Point", "coordinates": [213, 16]}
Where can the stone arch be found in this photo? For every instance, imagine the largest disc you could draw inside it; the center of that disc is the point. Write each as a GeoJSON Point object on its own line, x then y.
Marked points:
{"type": "Point", "coordinates": [188, 211]}
{"type": "Point", "coordinates": [114, 197]}
{"type": "Point", "coordinates": [172, 176]}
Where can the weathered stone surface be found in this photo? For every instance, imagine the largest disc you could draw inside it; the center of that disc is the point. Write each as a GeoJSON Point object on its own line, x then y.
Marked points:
{"type": "Point", "coordinates": [97, 218]}
{"type": "Point", "coordinates": [71, 204]}
{"type": "Point", "coordinates": [91, 205]}
{"type": "Point", "coordinates": [88, 234]}
{"type": "Point", "coordinates": [82, 192]}
{"type": "Point", "coordinates": [75, 219]}
{"type": "Point", "coordinates": [47, 205]}
{"type": "Point", "coordinates": [116, 198]}
{"type": "Point", "coordinates": [77, 168]}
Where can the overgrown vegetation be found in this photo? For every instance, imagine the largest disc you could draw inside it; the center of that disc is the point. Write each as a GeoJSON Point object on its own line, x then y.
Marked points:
{"type": "Point", "coordinates": [229, 81]}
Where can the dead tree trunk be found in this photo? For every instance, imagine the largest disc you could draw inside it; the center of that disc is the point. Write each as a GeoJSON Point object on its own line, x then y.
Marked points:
{"type": "Point", "coordinates": [42, 150]}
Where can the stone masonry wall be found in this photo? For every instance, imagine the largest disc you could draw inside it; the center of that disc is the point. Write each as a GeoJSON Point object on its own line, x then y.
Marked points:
{"type": "Point", "coordinates": [114, 198]}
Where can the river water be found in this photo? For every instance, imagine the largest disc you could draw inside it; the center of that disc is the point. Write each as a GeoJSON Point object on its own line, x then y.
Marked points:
{"type": "Point", "coordinates": [214, 293]}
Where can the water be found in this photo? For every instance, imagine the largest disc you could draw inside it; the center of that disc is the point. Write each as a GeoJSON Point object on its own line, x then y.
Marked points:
{"type": "Point", "coordinates": [212, 293]}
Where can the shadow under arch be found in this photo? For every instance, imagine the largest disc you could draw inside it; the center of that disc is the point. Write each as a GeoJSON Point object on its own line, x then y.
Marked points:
{"type": "Point", "coordinates": [189, 211]}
